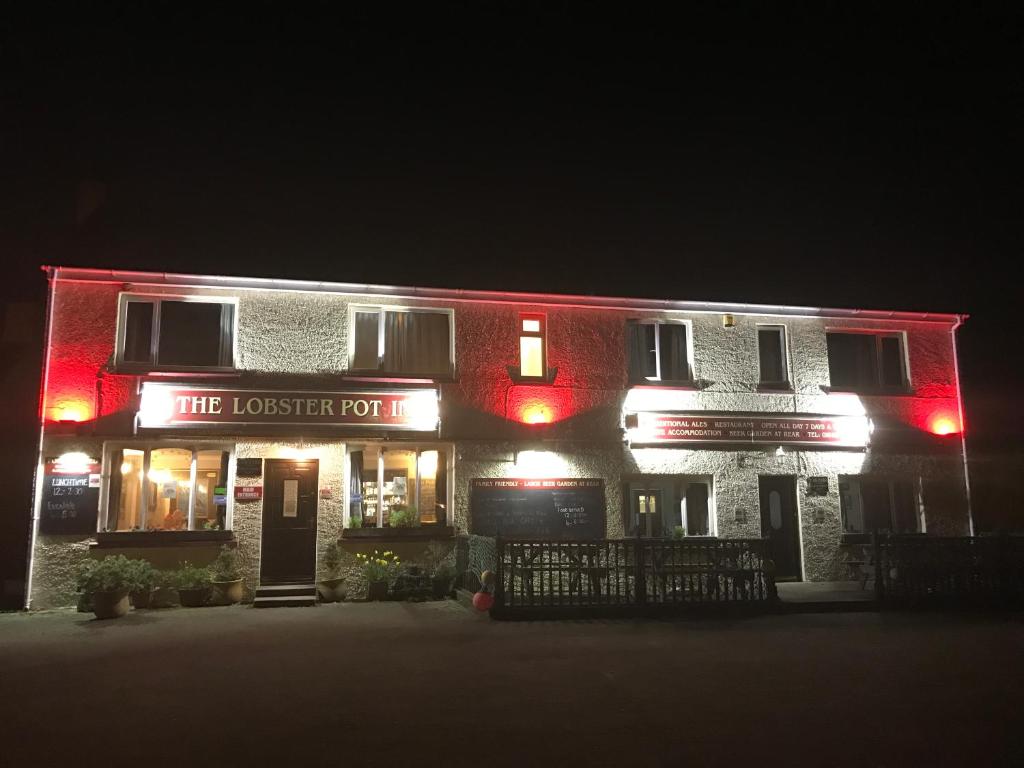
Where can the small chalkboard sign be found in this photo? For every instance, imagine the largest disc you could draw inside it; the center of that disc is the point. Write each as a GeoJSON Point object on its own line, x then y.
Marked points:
{"type": "Point", "coordinates": [70, 499]}
{"type": "Point", "coordinates": [558, 509]}
{"type": "Point", "coordinates": [817, 486]}
{"type": "Point", "coordinates": [249, 468]}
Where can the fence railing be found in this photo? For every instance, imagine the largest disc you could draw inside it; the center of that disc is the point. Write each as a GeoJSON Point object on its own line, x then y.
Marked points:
{"type": "Point", "coordinates": [916, 567]}
{"type": "Point", "coordinates": [631, 573]}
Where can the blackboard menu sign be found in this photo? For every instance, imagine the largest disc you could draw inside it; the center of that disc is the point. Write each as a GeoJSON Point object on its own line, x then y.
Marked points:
{"type": "Point", "coordinates": [249, 468]}
{"type": "Point", "coordinates": [558, 509]}
{"type": "Point", "coordinates": [71, 496]}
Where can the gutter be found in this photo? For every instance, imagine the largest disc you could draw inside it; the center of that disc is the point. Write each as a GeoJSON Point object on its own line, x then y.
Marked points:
{"type": "Point", "coordinates": [963, 426]}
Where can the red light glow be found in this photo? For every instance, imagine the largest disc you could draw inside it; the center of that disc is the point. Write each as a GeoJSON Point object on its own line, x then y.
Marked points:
{"type": "Point", "coordinates": [70, 412]}
{"type": "Point", "coordinates": [944, 425]}
{"type": "Point", "coordinates": [536, 414]}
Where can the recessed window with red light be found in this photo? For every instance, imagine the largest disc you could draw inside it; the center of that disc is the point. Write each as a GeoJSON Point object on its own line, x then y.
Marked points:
{"type": "Point", "coordinates": [532, 351]}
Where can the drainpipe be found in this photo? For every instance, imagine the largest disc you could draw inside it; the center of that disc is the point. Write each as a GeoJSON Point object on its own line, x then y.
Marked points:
{"type": "Point", "coordinates": [963, 427]}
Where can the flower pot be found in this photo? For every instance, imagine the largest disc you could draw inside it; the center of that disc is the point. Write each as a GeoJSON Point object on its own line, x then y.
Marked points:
{"type": "Point", "coordinates": [442, 587]}
{"type": "Point", "coordinates": [141, 598]}
{"type": "Point", "coordinates": [163, 597]}
{"type": "Point", "coordinates": [193, 598]}
{"type": "Point", "coordinates": [227, 592]}
{"type": "Point", "coordinates": [332, 590]}
{"type": "Point", "coordinates": [110, 605]}
{"type": "Point", "coordinates": [377, 590]}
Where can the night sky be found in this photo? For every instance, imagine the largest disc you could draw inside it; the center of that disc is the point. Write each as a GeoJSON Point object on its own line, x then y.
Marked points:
{"type": "Point", "coordinates": [853, 158]}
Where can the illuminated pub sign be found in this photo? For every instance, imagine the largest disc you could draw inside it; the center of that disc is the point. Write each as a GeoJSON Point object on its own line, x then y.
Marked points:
{"type": "Point", "coordinates": [171, 405]}
{"type": "Point", "coordinates": [685, 428]}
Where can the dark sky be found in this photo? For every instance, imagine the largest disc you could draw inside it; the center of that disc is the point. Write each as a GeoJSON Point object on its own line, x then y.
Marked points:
{"type": "Point", "coordinates": [854, 157]}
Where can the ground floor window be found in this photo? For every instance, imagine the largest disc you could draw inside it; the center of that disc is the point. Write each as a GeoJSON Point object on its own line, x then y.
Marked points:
{"type": "Point", "coordinates": [167, 488]}
{"type": "Point", "coordinates": [398, 486]}
{"type": "Point", "coordinates": [673, 506]}
{"type": "Point", "coordinates": [879, 504]}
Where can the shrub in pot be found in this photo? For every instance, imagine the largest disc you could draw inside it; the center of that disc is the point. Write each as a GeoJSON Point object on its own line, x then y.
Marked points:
{"type": "Point", "coordinates": [144, 578]}
{"type": "Point", "coordinates": [442, 572]}
{"type": "Point", "coordinates": [331, 586]}
{"type": "Point", "coordinates": [108, 582]}
{"type": "Point", "coordinates": [164, 594]}
{"type": "Point", "coordinates": [379, 570]}
{"type": "Point", "coordinates": [226, 577]}
{"type": "Point", "coordinates": [403, 516]}
{"type": "Point", "coordinates": [193, 585]}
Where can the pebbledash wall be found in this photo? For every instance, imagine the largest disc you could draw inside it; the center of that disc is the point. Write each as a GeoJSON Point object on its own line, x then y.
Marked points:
{"type": "Point", "coordinates": [294, 336]}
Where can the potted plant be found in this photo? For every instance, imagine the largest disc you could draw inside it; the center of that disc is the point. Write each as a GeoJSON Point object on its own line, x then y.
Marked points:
{"type": "Point", "coordinates": [442, 572]}
{"type": "Point", "coordinates": [144, 578]}
{"type": "Point", "coordinates": [108, 582]}
{"type": "Point", "coordinates": [193, 585]}
{"type": "Point", "coordinates": [355, 523]}
{"type": "Point", "coordinates": [164, 594]}
{"type": "Point", "coordinates": [679, 532]}
{"type": "Point", "coordinates": [379, 570]}
{"type": "Point", "coordinates": [331, 586]}
{"type": "Point", "coordinates": [403, 516]}
{"type": "Point", "coordinates": [226, 577]}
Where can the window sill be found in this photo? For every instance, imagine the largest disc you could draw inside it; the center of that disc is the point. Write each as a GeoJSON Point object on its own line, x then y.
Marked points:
{"type": "Point", "coordinates": [518, 378]}
{"type": "Point", "coordinates": [380, 377]}
{"type": "Point", "coordinates": [142, 370]}
{"type": "Point", "coordinates": [116, 539]}
{"type": "Point", "coordinates": [782, 388]}
{"type": "Point", "coordinates": [691, 384]}
{"type": "Point", "coordinates": [873, 392]}
{"type": "Point", "coordinates": [420, 532]}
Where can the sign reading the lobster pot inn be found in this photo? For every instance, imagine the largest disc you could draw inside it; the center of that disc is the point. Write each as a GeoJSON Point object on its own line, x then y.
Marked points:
{"type": "Point", "coordinates": [170, 405]}
{"type": "Point", "coordinates": [840, 431]}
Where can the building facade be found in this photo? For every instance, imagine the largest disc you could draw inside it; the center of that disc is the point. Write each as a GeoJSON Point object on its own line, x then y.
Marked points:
{"type": "Point", "coordinates": [180, 412]}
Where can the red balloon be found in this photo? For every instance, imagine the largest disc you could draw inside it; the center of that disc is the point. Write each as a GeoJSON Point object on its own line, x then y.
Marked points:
{"type": "Point", "coordinates": [483, 601]}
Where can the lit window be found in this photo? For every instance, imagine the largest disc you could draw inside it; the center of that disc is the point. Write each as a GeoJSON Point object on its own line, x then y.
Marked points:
{"type": "Point", "coordinates": [176, 333]}
{"type": "Point", "coordinates": [398, 486]}
{"type": "Point", "coordinates": [771, 355]}
{"type": "Point", "coordinates": [167, 488]}
{"type": "Point", "coordinates": [669, 507]}
{"type": "Point", "coordinates": [658, 351]}
{"type": "Point", "coordinates": [404, 342]}
{"type": "Point", "coordinates": [531, 346]}
{"type": "Point", "coordinates": [866, 361]}
{"type": "Point", "coordinates": [878, 504]}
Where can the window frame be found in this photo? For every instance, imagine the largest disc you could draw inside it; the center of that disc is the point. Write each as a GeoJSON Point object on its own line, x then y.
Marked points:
{"type": "Point", "coordinates": [690, 362]}
{"type": "Point", "coordinates": [542, 334]}
{"type": "Point", "coordinates": [673, 496]}
{"type": "Point", "coordinates": [787, 370]}
{"type": "Point", "coordinates": [890, 483]}
{"type": "Point", "coordinates": [380, 309]}
{"type": "Point", "coordinates": [877, 386]}
{"type": "Point", "coordinates": [419, 449]}
{"type": "Point", "coordinates": [126, 298]}
{"type": "Point", "coordinates": [110, 448]}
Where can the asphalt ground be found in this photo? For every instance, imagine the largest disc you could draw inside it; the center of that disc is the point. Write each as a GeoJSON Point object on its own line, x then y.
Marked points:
{"type": "Point", "coordinates": [434, 684]}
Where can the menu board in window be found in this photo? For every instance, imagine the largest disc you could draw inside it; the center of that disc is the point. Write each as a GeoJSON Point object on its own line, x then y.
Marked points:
{"type": "Point", "coordinates": [556, 509]}
{"type": "Point", "coordinates": [70, 498]}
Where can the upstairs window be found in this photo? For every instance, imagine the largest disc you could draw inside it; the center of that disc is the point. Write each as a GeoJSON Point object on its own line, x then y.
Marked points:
{"type": "Point", "coordinates": [866, 361]}
{"type": "Point", "coordinates": [532, 357]}
{"type": "Point", "coordinates": [878, 504]}
{"type": "Point", "coordinates": [658, 351]}
{"type": "Point", "coordinates": [176, 333]}
{"type": "Point", "coordinates": [771, 355]}
{"type": "Point", "coordinates": [402, 341]}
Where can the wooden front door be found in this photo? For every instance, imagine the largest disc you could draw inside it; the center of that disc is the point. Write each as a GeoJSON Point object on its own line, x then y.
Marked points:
{"type": "Point", "coordinates": [780, 524]}
{"type": "Point", "coordinates": [289, 521]}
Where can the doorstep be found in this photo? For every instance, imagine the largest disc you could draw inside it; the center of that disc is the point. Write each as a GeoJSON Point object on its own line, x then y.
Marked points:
{"type": "Point", "coordinates": [825, 596]}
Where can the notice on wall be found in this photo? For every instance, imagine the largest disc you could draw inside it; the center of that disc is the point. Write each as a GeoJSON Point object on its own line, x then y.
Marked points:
{"type": "Point", "coordinates": [558, 509]}
{"type": "Point", "coordinates": [70, 498]}
{"type": "Point", "coordinates": [839, 431]}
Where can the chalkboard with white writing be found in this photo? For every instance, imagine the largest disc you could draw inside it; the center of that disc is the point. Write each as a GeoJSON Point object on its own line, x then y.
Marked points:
{"type": "Point", "coordinates": [560, 509]}
{"type": "Point", "coordinates": [70, 499]}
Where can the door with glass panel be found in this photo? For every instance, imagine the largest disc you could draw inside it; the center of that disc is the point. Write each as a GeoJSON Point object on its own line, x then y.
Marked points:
{"type": "Point", "coordinates": [289, 521]}
{"type": "Point", "coordinates": [647, 513]}
{"type": "Point", "coordinates": [780, 524]}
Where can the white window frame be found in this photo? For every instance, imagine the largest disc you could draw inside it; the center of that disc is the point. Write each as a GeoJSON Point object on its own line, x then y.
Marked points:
{"type": "Point", "coordinates": [690, 362]}
{"type": "Point", "coordinates": [147, 447]}
{"type": "Point", "coordinates": [900, 336]}
{"type": "Point", "coordinates": [380, 309]}
{"type": "Point", "coordinates": [542, 334]}
{"type": "Point", "coordinates": [784, 344]}
{"type": "Point", "coordinates": [418, 449]}
{"type": "Point", "coordinates": [890, 481]}
{"type": "Point", "coordinates": [155, 299]}
{"type": "Point", "coordinates": [709, 481]}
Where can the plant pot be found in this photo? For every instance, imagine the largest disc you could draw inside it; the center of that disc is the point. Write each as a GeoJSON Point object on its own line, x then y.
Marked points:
{"type": "Point", "coordinates": [442, 587]}
{"type": "Point", "coordinates": [332, 590]}
{"type": "Point", "coordinates": [227, 592]}
{"type": "Point", "coordinates": [163, 597]}
{"type": "Point", "coordinates": [193, 598]}
{"type": "Point", "coordinates": [110, 605]}
{"type": "Point", "coordinates": [141, 598]}
{"type": "Point", "coordinates": [377, 590]}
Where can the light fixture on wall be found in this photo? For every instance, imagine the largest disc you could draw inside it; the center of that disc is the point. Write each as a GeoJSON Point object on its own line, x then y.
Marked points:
{"type": "Point", "coordinates": [728, 321]}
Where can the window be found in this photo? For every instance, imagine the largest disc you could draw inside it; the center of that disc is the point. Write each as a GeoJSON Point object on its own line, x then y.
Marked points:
{"type": "Point", "coordinates": [658, 351]}
{"type": "Point", "coordinates": [878, 504]}
{"type": "Point", "coordinates": [771, 355]}
{"type": "Point", "coordinates": [384, 480]}
{"type": "Point", "coordinates": [532, 331]}
{"type": "Point", "coordinates": [167, 488]}
{"type": "Point", "coordinates": [176, 333]}
{"type": "Point", "coordinates": [670, 506]}
{"type": "Point", "coordinates": [402, 341]}
{"type": "Point", "coordinates": [866, 361]}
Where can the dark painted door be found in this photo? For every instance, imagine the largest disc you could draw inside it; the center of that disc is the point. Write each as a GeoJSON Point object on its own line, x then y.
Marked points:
{"type": "Point", "coordinates": [289, 521]}
{"type": "Point", "coordinates": [647, 513]}
{"type": "Point", "coordinates": [780, 526]}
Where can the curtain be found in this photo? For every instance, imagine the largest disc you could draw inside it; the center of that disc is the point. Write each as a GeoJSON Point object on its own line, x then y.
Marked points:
{"type": "Point", "coordinates": [114, 497]}
{"type": "Point", "coordinates": [355, 485]}
{"type": "Point", "coordinates": [364, 357]}
{"type": "Point", "coordinates": [417, 343]}
{"type": "Point", "coordinates": [905, 509]}
{"type": "Point", "coordinates": [441, 488]}
{"type": "Point", "coordinates": [697, 509]}
{"type": "Point", "coordinates": [674, 363]}
{"type": "Point", "coordinates": [635, 350]}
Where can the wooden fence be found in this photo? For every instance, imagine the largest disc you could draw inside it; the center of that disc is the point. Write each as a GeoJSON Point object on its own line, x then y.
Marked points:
{"type": "Point", "coordinates": [629, 575]}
